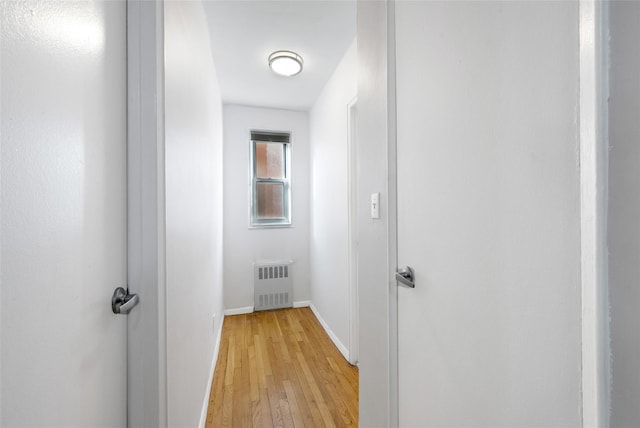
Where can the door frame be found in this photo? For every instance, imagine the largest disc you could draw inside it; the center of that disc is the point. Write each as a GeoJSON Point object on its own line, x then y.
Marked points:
{"type": "Point", "coordinates": [146, 324]}
{"type": "Point", "coordinates": [392, 166]}
{"type": "Point", "coordinates": [352, 190]}
{"type": "Point", "coordinates": [593, 137]}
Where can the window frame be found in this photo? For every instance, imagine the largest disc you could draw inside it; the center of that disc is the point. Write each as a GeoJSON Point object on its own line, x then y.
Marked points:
{"type": "Point", "coordinates": [268, 137]}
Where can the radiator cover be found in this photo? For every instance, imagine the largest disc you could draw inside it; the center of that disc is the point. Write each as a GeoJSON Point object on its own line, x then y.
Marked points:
{"type": "Point", "coordinates": [272, 286]}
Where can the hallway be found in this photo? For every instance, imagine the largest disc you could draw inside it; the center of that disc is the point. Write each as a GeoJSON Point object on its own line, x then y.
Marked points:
{"type": "Point", "coordinates": [279, 368]}
{"type": "Point", "coordinates": [489, 150]}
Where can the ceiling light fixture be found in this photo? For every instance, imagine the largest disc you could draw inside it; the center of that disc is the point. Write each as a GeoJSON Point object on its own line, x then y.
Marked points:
{"type": "Point", "coordinates": [285, 63]}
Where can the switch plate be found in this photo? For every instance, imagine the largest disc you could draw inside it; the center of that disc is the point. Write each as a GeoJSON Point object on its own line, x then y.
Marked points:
{"type": "Point", "coordinates": [375, 205]}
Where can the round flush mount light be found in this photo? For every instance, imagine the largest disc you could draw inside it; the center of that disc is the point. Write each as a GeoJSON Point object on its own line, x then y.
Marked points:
{"type": "Point", "coordinates": [285, 63]}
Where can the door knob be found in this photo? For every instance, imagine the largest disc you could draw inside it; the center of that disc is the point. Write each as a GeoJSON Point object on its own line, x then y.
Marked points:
{"type": "Point", "coordinates": [122, 302]}
{"type": "Point", "coordinates": [405, 277]}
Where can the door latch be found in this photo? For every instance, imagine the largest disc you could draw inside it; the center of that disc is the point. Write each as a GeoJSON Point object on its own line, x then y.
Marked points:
{"type": "Point", "coordinates": [405, 277]}
{"type": "Point", "coordinates": [122, 302]}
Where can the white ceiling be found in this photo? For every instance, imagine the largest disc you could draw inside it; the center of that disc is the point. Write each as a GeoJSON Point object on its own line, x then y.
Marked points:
{"type": "Point", "coordinates": [244, 33]}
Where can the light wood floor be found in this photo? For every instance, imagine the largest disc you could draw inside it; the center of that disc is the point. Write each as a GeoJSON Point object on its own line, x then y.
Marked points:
{"type": "Point", "coordinates": [280, 369]}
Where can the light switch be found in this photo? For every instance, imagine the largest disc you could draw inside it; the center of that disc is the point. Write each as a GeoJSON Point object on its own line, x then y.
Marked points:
{"type": "Point", "coordinates": [375, 205]}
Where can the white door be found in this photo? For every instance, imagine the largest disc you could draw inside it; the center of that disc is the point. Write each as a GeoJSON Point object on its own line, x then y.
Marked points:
{"type": "Point", "coordinates": [488, 213]}
{"type": "Point", "coordinates": [63, 213]}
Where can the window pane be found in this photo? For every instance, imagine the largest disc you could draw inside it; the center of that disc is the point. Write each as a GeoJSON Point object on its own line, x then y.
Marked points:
{"type": "Point", "coordinates": [269, 160]}
{"type": "Point", "coordinates": [270, 198]}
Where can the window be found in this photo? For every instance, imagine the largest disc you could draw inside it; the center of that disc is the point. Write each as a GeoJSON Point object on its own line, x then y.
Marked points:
{"type": "Point", "coordinates": [270, 179]}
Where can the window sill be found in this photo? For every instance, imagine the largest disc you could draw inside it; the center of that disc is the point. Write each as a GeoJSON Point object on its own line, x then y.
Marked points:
{"type": "Point", "coordinates": [271, 226]}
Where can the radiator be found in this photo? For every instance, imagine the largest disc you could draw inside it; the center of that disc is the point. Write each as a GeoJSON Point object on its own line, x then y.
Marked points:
{"type": "Point", "coordinates": [272, 286]}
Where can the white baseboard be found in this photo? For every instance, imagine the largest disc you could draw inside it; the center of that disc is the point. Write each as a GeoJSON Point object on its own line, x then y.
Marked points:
{"type": "Point", "coordinates": [302, 304]}
{"type": "Point", "coordinates": [249, 309]}
{"type": "Point", "coordinates": [343, 349]}
{"type": "Point", "coordinates": [238, 311]}
{"type": "Point", "coordinates": [207, 395]}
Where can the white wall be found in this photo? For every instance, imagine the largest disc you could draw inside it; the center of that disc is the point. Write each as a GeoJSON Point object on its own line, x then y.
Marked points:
{"type": "Point", "coordinates": [63, 229]}
{"type": "Point", "coordinates": [330, 203]}
{"type": "Point", "coordinates": [244, 246]}
{"type": "Point", "coordinates": [373, 271]}
{"type": "Point", "coordinates": [624, 212]}
{"type": "Point", "coordinates": [193, 210]}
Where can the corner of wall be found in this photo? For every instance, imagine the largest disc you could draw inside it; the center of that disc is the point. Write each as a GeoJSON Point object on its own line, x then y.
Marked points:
{"type": "Point", "coordinates": [336, 341]}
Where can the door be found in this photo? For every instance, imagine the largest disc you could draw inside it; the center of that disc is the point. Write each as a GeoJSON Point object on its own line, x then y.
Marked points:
{"type": "Point", "coordinates": [488, 213]}
{"type": "Point", "coordinates": [63, 213]}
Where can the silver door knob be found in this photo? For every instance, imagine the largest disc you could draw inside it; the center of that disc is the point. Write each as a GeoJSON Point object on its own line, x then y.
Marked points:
{"type": "Point", "coordinates": [405, 277]}
{"type": "Point", "coordinates": [122, 302]}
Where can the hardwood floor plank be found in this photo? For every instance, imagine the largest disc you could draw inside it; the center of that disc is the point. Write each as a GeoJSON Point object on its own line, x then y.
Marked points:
{"type": "Point", "coordinates": [340, 407]}
{"type": "Point", "coordinates": [267, 418]}
{"type": "Point", "coordinates": [238, 399]}
{"type": "Point", "coordinates": [227, 406]}
{"type": "Point", "coordinates": [274, 402]}
{"type": "Point", "coordinates": [307, 396]}
{"type": "Point", "coordinates": [244, 392]}
{"type": "Point", "coordinates": [262, 376]}
{"type": "Point", "coordinates": [317, 394]}
{"type": "Point", "coordinates": [346, 390]}
{"type": "Point", "coordinates": [285, 411]}
{"type": "Point", "coordinates": [254, 384]}
{"type": "Point", "coordinates": [280, 369]}
{"type": "Point", "coordinates": [256, 414]}
{"type": "Point", "coordinates": [261, 337]}
{"type": "Point", "coordinates": [304, 407]}
{"type": "Point", "coordinates": [294, 408]}
{"type": "Point", "coordinates": [231, 362]}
